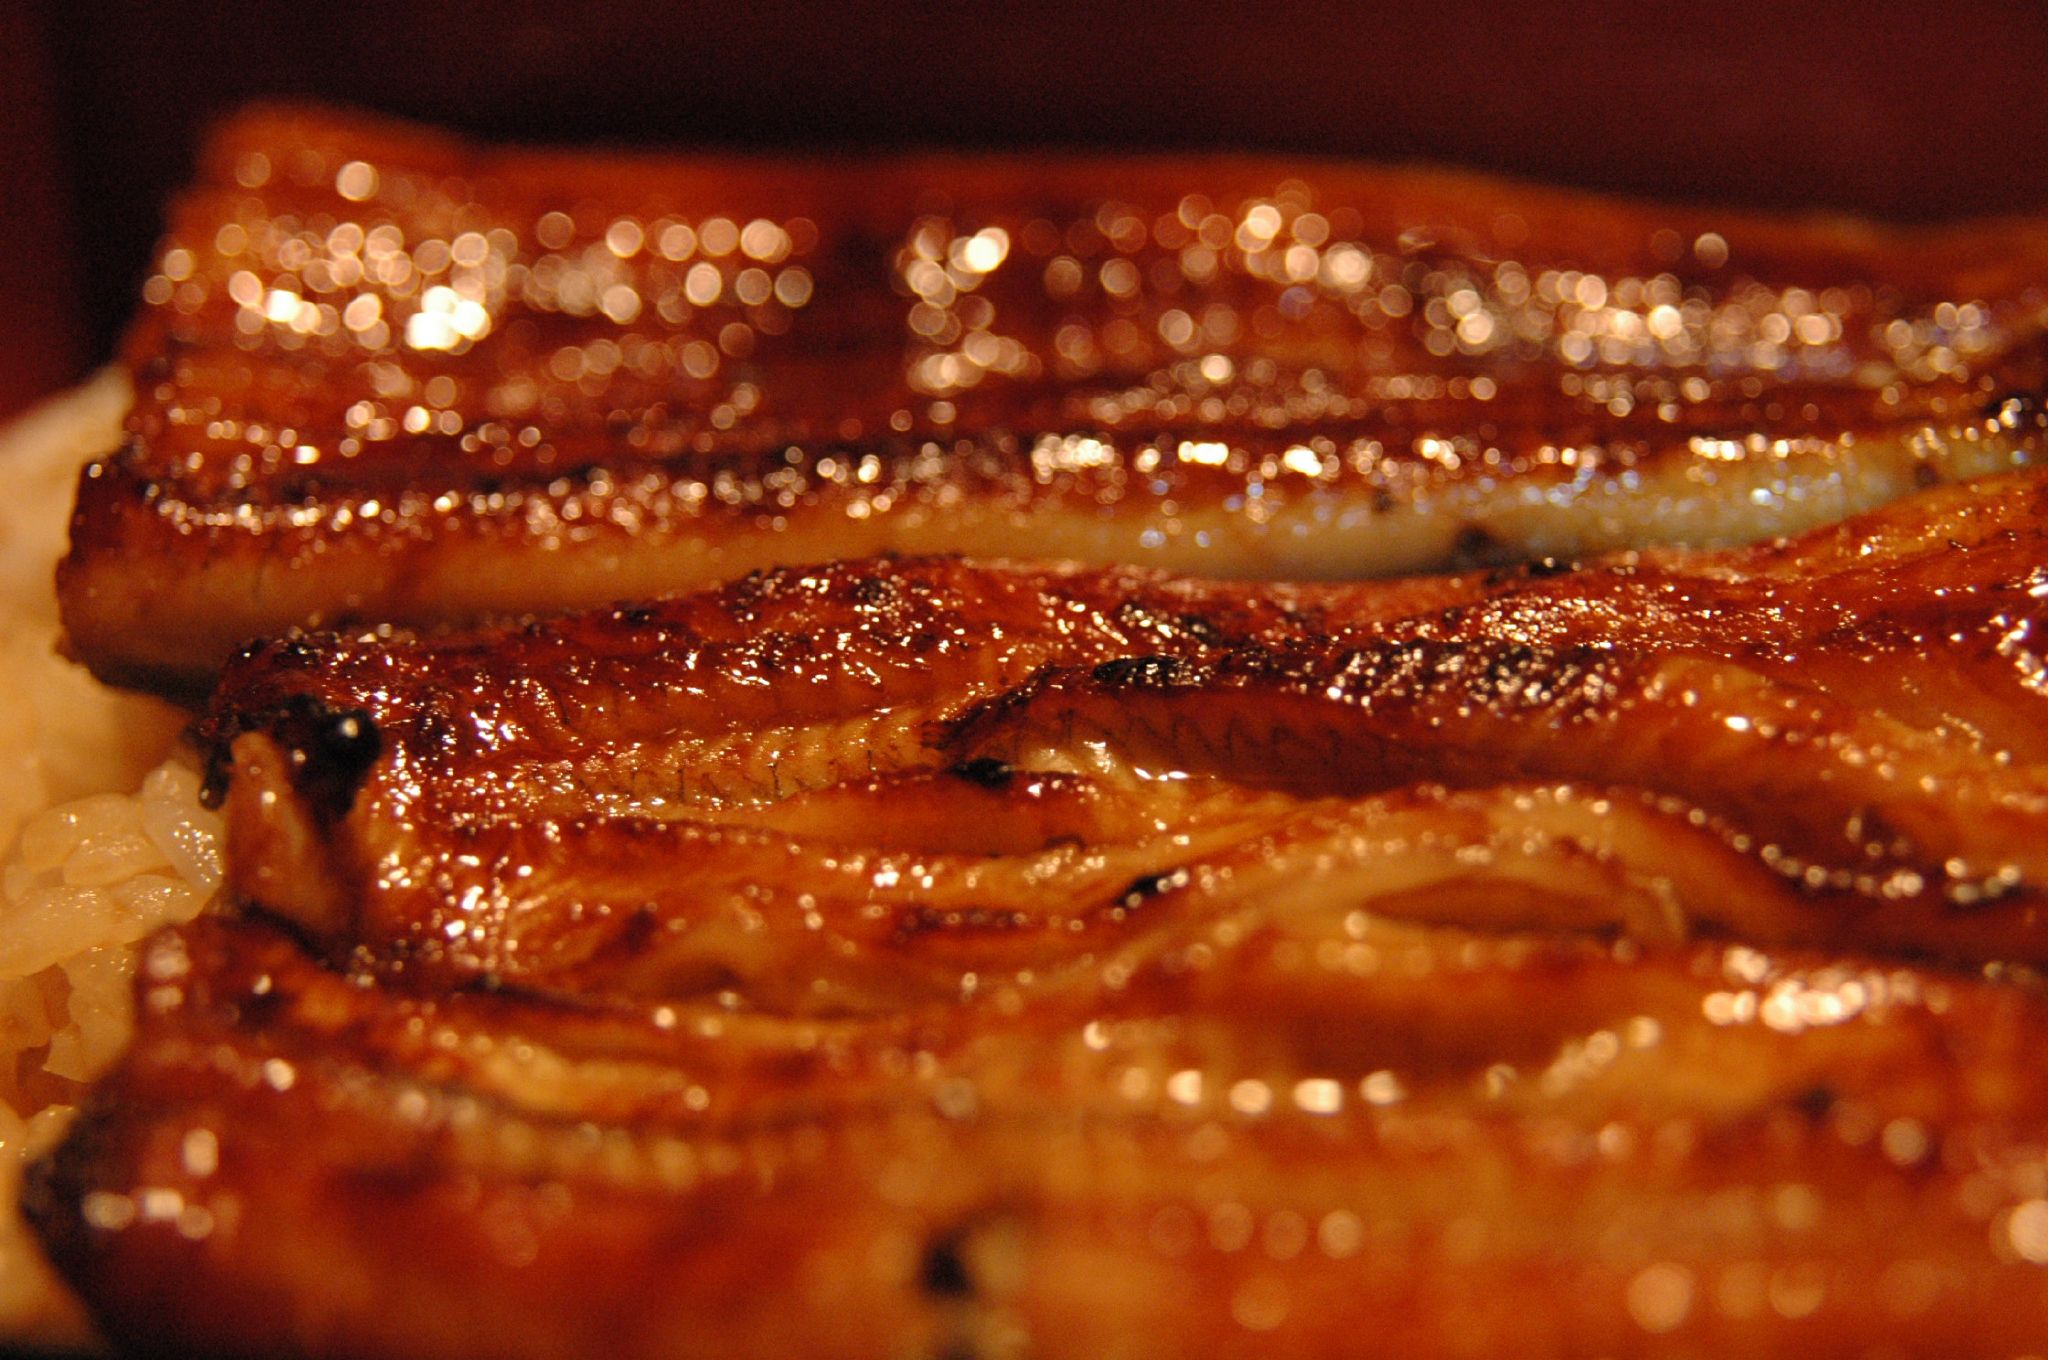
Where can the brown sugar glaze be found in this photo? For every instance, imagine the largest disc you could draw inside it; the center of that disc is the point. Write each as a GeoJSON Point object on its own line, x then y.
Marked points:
{"type": "Point", "coordinates": [386, 375]}
{"type": "Point", "coordinates": [930, 959]}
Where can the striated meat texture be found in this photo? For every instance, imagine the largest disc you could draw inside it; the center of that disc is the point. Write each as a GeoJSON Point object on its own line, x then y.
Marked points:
{"type": "Point", "coordinates": [927, 958]}
{"type": "Point", "coordinates": [382, 375]}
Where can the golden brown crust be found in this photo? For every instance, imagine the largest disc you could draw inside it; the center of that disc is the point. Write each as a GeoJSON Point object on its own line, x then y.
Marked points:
{"type": "Point", "coordinates": [1534, 1145]}
{"type": "Point", "coordinates": [940, 959]}
{"type": "Point", "coordinates": [1853, 714]}
{"type": "Point", "coordinates": [387, 375]}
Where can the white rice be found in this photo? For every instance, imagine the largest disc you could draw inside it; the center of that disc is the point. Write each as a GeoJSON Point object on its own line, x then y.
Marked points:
{"type": "Point", "coordinates": [102, 839]}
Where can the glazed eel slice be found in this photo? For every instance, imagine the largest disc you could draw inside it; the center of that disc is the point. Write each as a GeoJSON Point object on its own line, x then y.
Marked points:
{"type": "Point", "coordinates": [938, 959]}
{"type": "Point", "coordinates": [382, 375]}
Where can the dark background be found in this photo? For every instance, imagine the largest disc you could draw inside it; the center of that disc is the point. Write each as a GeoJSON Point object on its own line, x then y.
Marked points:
{"type": "Point", "coordinates": [1900, 108]}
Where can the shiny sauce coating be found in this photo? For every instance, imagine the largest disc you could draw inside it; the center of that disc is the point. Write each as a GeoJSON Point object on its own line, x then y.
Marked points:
{"type": "Point", "coordinates": [943, 959]}
{"type": "Point", "coordinates": [383, 375]}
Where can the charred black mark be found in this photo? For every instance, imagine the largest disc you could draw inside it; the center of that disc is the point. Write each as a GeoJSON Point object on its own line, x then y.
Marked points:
{"type": "Point", "coordinates": [304, 489]}
{"type": "Point", "coordinates": [943, 1272]}
{"type": "Point", "coordinates": [437, 732]}
{"type": "Point", "coordinates": [2018, 408]}
{"type": "Point", "coordinates": [331, 750]}
{"type": "Point", "coordinates": [335, 751]}
{"type": "Point", "coordinates": [1540, 569]}
{"type": "Point", "coordinates": [986, 771]}
{"type": "Point", "coordinates": [1140, 671]}
{"type": "Point", "coordinates": [253, 1008]}
{"type": "Point", "coordinates": [873, 590]}
{"type": "Point", "coordinates": [1475, 547]}
{"type": "Point", "coordinates": [1514, 662]}
{"type": "Point", "coordinates": [1815, 1101]}
{"type": "Point", "coordinates": [294, 649]}
{"type": "Point", "coordinates": [1145, 887]}
{"type": "Point", "coordinates": [1136, 618]}
{"type": "Point", "coordinates": [638, 933]}
{"type": "Point", "coordinates": [635, 616]}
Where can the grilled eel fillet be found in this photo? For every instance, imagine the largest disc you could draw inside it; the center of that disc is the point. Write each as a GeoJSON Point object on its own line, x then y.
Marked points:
{"type": "Point", "coordinates": [382, 375]}
{"type": "Point", "coordinates": [917, 958]}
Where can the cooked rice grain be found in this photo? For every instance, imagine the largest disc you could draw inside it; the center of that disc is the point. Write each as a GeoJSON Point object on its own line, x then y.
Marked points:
{"type": "Point", "coordinates": [106, 870]}
{"type": "Point", "coordinates": [86, 881]}
{"type": "Point", "coordinates": [104, 839]}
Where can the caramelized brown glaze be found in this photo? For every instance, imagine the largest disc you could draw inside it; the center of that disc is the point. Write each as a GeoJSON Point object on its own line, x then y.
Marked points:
{"type": "Point", "coordinates": [383, 375]}
{"type": "Point", "coordinates": [934, 959]}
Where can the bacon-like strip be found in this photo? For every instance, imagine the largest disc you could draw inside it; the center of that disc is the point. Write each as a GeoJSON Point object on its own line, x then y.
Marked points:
{"type": "Point", "coordinates": [941, 959]}
{"type": "Point", "coordinates": [384, 376]}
